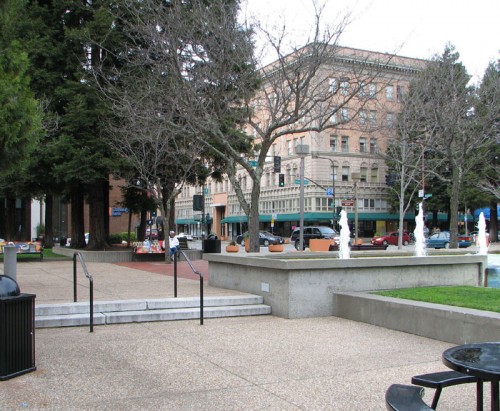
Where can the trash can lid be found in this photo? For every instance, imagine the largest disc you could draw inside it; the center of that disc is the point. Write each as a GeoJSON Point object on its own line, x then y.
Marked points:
{"type": "Point", "coordinates": [8, 287]}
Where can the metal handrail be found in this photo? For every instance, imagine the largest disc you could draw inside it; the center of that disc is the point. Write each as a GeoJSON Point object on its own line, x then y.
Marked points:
{"type": "Point", "coordinates": [78, 255]}
{"type": "Point", "coordinates": [194, 271]}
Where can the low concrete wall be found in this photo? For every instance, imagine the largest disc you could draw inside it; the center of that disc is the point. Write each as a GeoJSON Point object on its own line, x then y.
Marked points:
{"type": "Point", "coordinates": [300, 285]}
{"type": "Point", "coordinates": [124, 256]}
{"type": "Point", "coordinates": [441, 322]}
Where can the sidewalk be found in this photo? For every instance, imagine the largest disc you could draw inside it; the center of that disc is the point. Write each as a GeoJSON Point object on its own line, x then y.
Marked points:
{"type": "Point", "coordinates": [227, 364]}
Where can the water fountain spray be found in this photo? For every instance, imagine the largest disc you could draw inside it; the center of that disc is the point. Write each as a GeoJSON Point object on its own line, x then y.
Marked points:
{"type": "Point", "coordinates": [419, 233]}
{"type": "Point", "coordinates": [481, 235]}
{"type": "Point", "coordinates": [345, 237]}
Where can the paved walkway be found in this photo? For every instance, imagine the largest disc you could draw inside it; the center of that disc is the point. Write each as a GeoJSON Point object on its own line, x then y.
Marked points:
{"type": "Point", "coordinates": [227, 364]}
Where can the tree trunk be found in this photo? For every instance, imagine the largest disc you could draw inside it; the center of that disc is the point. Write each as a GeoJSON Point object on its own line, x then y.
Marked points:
{"type": "Point", "coordinates": [253, 219]}
{"type": "Point", "coordinates": [10, 220]}
{"type": "Point", "coordinates": [97, 228]}
{"type": "Point", "coordinates": [453, 216]}
{"type": "Point", "coordinates": [493, 221]}
{"type": "Point", "coordinates": [77, 218]}
{"type": "Point", "coordinates": [48, 240]}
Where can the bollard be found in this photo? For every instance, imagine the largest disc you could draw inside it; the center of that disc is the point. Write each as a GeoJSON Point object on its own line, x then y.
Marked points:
{"type": "Point", "coordinates": [10, 261]}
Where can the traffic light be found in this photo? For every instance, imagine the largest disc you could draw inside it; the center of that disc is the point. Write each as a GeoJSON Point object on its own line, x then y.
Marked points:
{"type": "Point", "coordinates": [277, 164]}
{"type": "Point", "coordinates": [197, 202]}
{"type": "Point", "coordinates": [390, 179]}
{"type": "Point", "coordinates": [281, 180]}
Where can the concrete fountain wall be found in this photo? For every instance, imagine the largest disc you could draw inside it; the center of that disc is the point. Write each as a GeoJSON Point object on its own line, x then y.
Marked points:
{"type": "Point", "coordinates": [300, 285]}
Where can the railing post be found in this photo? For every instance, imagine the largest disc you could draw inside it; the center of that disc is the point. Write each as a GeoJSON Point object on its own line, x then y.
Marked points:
{"type": "Point", "coordinates": [201, 299]}
{"type": "Point", "coordinates": [175, 274]}
{"type": "Point", "coordinates": [91, 286]}
{"type": "Point", "coordinates": [74, 278]}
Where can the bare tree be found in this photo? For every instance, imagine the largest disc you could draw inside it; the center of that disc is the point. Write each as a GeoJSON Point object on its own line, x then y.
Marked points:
{"type": "Point", "coordinates": [198, 76]}
{"type": "Point", "coordinates": [442, 104]}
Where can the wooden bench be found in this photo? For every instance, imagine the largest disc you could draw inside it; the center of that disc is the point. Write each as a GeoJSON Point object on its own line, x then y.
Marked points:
{"type": "Point", "coordinates": [440, 380]}
{"type": "Point", "coordinates": [400, 397]}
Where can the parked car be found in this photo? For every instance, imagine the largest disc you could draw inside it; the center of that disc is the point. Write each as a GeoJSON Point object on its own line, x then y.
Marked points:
{"type": "Point", "coordinates": [152, 234]}
{"type": "Point", "coordinates": [265, 238]}
{"type": "Point", "coordinates": [391, 238]}
{"type": "Point", "coordinates": [442, 240]}
{"type": "Point", "coordinates": [189, 237]}
{"type": "Point", "coordinates": [313, 232]}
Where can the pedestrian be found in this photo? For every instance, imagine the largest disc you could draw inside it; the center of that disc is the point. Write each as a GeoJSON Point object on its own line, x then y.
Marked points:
{"type": "Point", "coordinates": [173, 243]}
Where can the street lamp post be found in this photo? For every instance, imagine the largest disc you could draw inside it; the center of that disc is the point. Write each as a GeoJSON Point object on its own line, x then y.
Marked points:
{"type": "Point", "coordinates": [355, 177]}
{"type": "Point", "coordinates": [302, 150]}
{"type": "Point", "coordinates": [333, 187]}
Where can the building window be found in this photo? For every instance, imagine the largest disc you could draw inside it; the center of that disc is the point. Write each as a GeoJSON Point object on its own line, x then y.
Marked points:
{"type": "Point", "coordinates": [333, 85]}
{"type": "Point", "coordinates": [362, 117]}
{"type": "Point", "coordinates": [372, 90]}
{"type": "Point", "coordinates": [333, 143]}
{"type": "Point", "coordinates": [335, 170]}
{"type": "Point", "coordinates": [389, 120]}
{"type": "Point", "coordinates": [345, 115]}
{"type": "Point", "coordinates": [333, 117]}
{"type": "Point", "coordinates": [295, 142]}
{"type": "Point", "coordinates": [345, 144]}
{"type": "Point", "coordinates": [302, 140]}
{"type": "Point", "coordinates": [373, 118]}
{"type": "Point", "coordinates": [389, 93]}
{"type": "Point", "coordinates": [362, 89]}
{"type": "Point", "coordinates": [374, 175]}
{"type": "Point", "coordinates": [289, 147]}
{"type": "Point", "coordinates": [345, 173]}
{"type": "Point", "coordinates": [363, 172]}
{"type": "Point", "coordinates": [400, 93]}
{"type": "Point", "coordinates": [362, 145]}
{"type": "Point", "coordinates": [373, 146]}
{"type": "Point", "coordinates": [344, 87]}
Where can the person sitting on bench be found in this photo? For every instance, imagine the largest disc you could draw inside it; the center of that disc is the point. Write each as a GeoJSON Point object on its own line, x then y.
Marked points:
{"type": "Point", "coordinates": [173, 243]}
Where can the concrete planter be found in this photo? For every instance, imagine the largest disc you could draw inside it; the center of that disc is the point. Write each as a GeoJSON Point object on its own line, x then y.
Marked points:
{"type": "Point", "coordinates": [276, 248]}
{"type": "Point", "coordinates": [320, 244]}
{"type": "Point", "coordinates": [232, 248]}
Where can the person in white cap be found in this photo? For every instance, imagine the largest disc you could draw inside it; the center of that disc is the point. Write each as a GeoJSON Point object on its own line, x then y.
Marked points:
{"type": "Point", "coordinates": [173, 243]}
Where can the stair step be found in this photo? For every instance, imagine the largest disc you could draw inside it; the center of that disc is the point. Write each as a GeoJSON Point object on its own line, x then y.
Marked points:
{"type": "Point", "coordinates": [147, 304]}
{"type": "Point", "coordinates": [127, 311]}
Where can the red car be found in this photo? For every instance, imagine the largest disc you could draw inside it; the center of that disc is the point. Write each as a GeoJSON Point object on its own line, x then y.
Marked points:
{"type": "Point", "coordinates": [390, 238]}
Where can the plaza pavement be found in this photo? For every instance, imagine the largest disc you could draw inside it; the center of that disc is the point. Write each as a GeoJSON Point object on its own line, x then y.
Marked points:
{"type": "Point", "coordinates": [245, 363]}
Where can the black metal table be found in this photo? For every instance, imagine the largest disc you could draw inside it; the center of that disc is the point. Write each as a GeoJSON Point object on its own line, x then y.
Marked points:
{"type": "Point", "coordinates": [481, 360]}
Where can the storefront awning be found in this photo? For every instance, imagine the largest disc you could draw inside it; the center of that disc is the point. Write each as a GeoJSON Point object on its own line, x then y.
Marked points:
{"type": "Point", "coordinates": [294, 217]}
{"type": "Point", "coordinates": [185, 221]}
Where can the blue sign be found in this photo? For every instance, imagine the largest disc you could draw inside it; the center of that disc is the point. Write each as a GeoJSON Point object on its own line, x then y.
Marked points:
{"type": "Point", "coordinates": [329, 192]}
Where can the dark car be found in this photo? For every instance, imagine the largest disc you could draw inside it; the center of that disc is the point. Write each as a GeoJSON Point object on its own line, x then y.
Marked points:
{"type": "Point", "coordinates": [265, 238]}
{"type": "Point", "coordinates": [313, 232]}
{"type": "Point", "coordinates": [390, 238]}
{"type": "Point", "coordinates": [442, 240]}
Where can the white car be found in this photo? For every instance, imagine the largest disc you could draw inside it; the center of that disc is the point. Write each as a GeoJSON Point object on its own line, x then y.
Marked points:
{"type": "Point", "coordinates": [189, 237]}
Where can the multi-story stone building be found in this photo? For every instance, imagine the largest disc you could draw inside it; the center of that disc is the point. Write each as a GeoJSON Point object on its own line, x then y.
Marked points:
{"type": "Point", "coordinates": [345, 161]}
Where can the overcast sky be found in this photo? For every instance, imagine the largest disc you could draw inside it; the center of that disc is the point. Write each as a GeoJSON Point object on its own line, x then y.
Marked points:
{"type": "Point", "coordinates": [408, 27]}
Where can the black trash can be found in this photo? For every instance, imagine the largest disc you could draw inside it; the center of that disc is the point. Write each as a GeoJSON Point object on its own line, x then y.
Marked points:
{"type": "Point", "coordinates": [17, 330]}
{"type": "Point", "coordinates": [211, 246]}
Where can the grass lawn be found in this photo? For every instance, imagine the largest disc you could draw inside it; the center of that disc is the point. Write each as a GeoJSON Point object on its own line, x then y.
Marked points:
{"type": "Point", "coordinates": [486, 299]}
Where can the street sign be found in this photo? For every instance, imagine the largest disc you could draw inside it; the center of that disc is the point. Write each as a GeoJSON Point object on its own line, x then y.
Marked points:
{"type": "Point", "coordinates": [347, 203]}
{"type": "Point", "coordinates": [428, 196]}
{"type": "Point", "coordinates": [297, 181]}
{"type": "Point", "coordinates": [329, 192]}
{"type": "Point", "coordinates": [420, 193]}
{"type": "Point", "coordinates": [252, 163]}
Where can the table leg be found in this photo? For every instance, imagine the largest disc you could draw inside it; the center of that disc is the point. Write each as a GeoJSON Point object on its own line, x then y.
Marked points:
{"type": "Point", "coordinates": [479, 395]}
{"type": "Point", "coordinates": [494, 396]}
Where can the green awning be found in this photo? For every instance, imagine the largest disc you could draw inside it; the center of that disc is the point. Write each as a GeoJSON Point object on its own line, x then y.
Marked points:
{"type": "Point", "coordinates": [185, 221]}
{"type": "Point", "coordinates": [327, 216]}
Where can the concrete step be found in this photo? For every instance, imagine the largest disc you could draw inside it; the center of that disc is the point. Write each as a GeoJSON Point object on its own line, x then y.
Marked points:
{"type": "Point", "coordinates": [169, 309]}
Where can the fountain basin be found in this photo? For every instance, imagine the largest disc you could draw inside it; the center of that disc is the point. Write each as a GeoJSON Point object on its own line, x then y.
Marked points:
{"type": "Point", "coordinates": [302, 285]}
